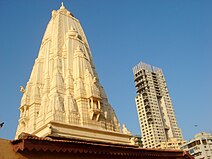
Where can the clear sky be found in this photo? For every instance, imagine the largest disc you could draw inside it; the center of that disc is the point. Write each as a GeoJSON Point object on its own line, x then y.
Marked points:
{"type": "Point", "coordinates": [175, 35]}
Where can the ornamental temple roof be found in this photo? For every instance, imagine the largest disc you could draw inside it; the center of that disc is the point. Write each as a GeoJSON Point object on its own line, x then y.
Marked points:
{"type": "Point", "coordinates": [63, 96]}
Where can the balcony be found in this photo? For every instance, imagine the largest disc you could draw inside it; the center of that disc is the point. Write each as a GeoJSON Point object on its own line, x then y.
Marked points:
{"type": "Point", "coordinates": [145, 98]}
{"type": "Point", "coordinates": [146, 104]}
{"type": "Point", "coordinates": [149, 115]}
{"type": "Point", "coordinates": [148, 110]}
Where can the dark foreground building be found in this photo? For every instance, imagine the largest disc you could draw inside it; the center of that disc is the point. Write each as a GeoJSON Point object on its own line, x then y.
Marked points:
{"type": "Point", "coordinates": [33, 147]}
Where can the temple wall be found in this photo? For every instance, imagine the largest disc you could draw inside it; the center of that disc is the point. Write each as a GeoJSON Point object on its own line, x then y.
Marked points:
{"type": "Point", "coordinates": [6, 151]}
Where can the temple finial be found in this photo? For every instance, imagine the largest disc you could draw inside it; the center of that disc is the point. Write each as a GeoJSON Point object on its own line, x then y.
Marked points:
{"type": "Point", "coordinates": [62, 6]}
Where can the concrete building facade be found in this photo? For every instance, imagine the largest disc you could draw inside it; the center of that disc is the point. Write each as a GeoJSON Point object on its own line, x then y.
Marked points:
{"type": "Point", "coordinates": [200, 147]}
{"type": "Point", "coordinates": [155, 110]}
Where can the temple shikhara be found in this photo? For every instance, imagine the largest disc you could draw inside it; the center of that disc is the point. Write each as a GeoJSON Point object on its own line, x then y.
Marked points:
{"type": "Point", "coordinates": [63, 96]}
{"type": "Point", "coordinates": [64, 111]}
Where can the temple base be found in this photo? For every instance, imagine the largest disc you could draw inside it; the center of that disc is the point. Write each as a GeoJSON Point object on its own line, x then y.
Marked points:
{"type": "Point", "coordinates": [61, 130]}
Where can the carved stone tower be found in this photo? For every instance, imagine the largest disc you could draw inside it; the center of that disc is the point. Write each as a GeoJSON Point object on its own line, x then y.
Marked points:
{"type": "Point", "coordinates": [63, 96]}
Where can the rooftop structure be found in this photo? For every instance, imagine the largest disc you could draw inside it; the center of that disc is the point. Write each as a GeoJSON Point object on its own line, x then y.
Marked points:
{"type": "Point", "coordinates": [63, 96]}
{"type": "Point", "coordinates": [33, 147]}
{"type": "Point", "coordinates": [199, 147]}
{"type": "Point", "coordinates": [155, 110]}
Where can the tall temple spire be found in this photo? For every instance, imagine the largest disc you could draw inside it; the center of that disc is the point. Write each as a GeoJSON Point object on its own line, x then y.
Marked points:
{"type": "Point", "coordinates": [63, 96]}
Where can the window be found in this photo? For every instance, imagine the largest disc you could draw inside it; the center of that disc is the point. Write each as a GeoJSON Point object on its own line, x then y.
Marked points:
{"type": "Point", "coordinates": [204, 142]}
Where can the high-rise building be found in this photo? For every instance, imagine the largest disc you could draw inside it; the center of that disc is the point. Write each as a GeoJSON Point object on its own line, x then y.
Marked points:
{"type": "Point", "coordinates": [155, 110]}
{"type": "Point", "coordinates": [200, 147]}
{"type": "Point", "coordinates": [63, 96]}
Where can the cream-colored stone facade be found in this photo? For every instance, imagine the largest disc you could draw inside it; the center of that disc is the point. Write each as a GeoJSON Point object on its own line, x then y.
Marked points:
{"type": "Point", "coordinates": [63, 96]}
{"type": "Point", "coordinates": [155, 111]}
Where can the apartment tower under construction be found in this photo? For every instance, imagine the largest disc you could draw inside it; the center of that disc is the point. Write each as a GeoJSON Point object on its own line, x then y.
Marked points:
{"type": "Point", "coordinates": [155, 110]}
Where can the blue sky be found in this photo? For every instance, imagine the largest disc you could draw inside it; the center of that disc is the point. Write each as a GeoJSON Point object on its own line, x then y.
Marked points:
{"type": "Point", "coordinates": [174, 35]}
